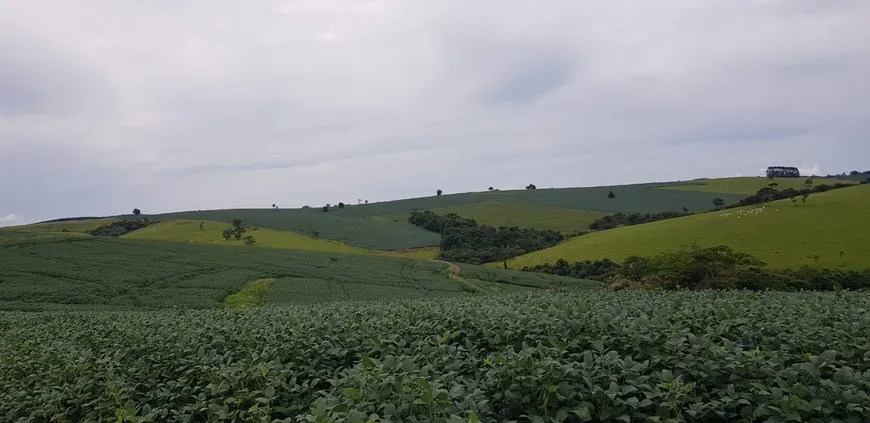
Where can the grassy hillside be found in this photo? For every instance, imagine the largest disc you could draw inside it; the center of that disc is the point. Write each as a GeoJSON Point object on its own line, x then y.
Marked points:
{"type": "Point", "coordinates": [750, 185]}
{"type": "Point", "coordinates": [359, 232]}
{"type": "Point", "coordinates": [382, 226]}
{"type": "Point", "coordinates": [62, 272]}
{"type": "Point", "coordinates": [779, 233]}
{"type": "Point", "coordinates": [189, 231]}
{"type": "Point", "coordinates": [79, 226]}
{"type": "Point", "coordinates": [500, 214]}
{"type": "Point", "coordinates": [641, 198]}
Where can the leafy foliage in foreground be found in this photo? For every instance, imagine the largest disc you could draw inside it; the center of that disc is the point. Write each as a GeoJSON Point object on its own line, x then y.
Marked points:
{"type": "Point", "coordinates": [464, 241]}
{"type": "Point", "coordinates": [594, 356]}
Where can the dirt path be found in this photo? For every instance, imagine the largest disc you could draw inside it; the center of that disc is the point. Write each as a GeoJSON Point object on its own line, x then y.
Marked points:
{"type": "Point", "coordinates": [455, 273]}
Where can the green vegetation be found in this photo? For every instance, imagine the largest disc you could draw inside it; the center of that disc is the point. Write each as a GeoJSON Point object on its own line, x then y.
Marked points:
{"type": "Point", "coordinates": [779, 233]}
{"type": "Point", "coordinates": [252, 294]}
{"type": "Point", "coordinates": [749, 185]}
{"type": "Point", "coordinates": [79, 226]}
{"type": "Point", "coordinates": [496, 214]}
{"type": "Point", "coordinates": [120, 228]}
{"type": "Point", "coordinates": [210, 233]}
{"type": "Point", "coordinates": [376, 225]}
{"type": "Point", "coordinates": [80, 272]}
{"type": "Point", "coordinates": [359, 232]}
{"type": "Point", "coordinates": [591, 356]}
{"type": "Point", "coordinates": [464, 241]}
{"type": "Point", "coordinates": [718, 267]}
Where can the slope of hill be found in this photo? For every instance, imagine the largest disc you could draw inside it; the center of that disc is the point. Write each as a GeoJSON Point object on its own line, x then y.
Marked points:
{"type": "Point", "coordinates": [495, 214]}
{"type": "Point", "coordinates": [82, 272]}
{"type": "Point", "coordinates": [79, 226]}
{"type": "Point", "coordinates": [779, 233]}
{"type": "Point", "coordinates": [382, 226]}
{"type": "Point", "coordinates": [750, 185]}
{"type": "Point", "coordinates": [359, 232]}
{"type": "Point", "coordinates": [210, 233]}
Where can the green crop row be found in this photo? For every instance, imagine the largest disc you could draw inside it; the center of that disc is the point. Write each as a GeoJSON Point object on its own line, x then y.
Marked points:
{"type": "Point", "coordinates": [109, 273]}
{"type": "Point", "coordinates": [544, 357]}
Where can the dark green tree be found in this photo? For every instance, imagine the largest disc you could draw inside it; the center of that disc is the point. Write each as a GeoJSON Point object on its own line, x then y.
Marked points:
{"type": "Point", "coordinates": [137, 212]}
{"type": "Point", "coordinates": [718, 202]}
{"type": "Point", "coordinates": [439, 192]}
{"type": "Point", "coordinates": [610, 194]}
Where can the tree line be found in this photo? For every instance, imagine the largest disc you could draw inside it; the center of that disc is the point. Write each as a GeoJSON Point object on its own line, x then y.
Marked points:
{"type": "Point", "coordinates": [696, 268]}
{"type": "Point", "coordinates": [465, 241]}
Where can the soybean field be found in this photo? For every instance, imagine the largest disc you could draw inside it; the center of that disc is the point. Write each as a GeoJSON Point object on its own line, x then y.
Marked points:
{"type": "Point", "coordinates": [549, 357]}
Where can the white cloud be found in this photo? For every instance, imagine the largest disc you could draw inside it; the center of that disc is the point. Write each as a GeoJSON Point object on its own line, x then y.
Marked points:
{"type": "Point", "coordinates": [10, 220]}
{"type": "Point", "coordinates": [312, 102]}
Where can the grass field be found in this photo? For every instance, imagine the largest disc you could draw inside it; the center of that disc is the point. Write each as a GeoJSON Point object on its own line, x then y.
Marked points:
{"type": "Point", "coordinates": [572, 357]}
{"type": "Point", "coordinates": [359, 232]}
{"type": "Point", "coordinates": [525, 216]}
{"type": "Point", "coordinates": [189, 231]}
{"type": "Point", "coordinates": [779, 233]}
{"type": "Point", "coordinates": [75, 272]}
{"type": "Point", "coordinates": [79, 226]}
{"type": "Point", "coordinates": [750, 185]}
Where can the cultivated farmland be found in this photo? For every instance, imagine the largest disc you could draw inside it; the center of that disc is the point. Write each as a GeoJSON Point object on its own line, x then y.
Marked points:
{"type": "Point", "coordinates": [383, 226]}
{"type": "Point", "coordinates": [572, 357]}
{"type": "Point", "coordinates": [560, 219]}
{"type": "Point", "coordinates": [75, 272]}
{"type": "Point", "coordinates": [359, 232]}
{"type": "Point", "coordinates": [210, 233]}
{"type": "Point", "coordinates": [780, 233]}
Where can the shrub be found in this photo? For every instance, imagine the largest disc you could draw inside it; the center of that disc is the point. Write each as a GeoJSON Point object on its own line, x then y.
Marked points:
{"type": "Point", "coordinates": [119, 228]}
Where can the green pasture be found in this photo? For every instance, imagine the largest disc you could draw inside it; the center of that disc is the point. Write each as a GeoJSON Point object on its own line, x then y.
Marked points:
{"type": "Point", "coordinates": [780, 233]}
{"type": "Point", "coordinates": [750, 185]}
{"type": "Point", "coordinates": [359, 232]}
{"type": "Point", "coordinates": [210, 233]}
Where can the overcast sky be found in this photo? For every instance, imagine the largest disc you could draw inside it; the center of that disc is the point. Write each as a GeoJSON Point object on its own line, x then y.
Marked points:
{"type": "Point", "coordinates": [170, 105]}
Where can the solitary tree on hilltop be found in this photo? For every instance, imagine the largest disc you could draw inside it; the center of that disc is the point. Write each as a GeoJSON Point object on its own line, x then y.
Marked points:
{"type": "Point", "coordinates": [491, 188]}
{"type": "Point", "coordinates": [610, 194]}
{"type": "Point", "coordinates": [340, 205]}
{"type": "Point", "coordinates": [718, 202]}
{"type": "Point", "coordinates": [531, 186]}
{"type": "Point", "coordinates": [137, 212]}
{"type": "Point", "coordinates": [439, 192]}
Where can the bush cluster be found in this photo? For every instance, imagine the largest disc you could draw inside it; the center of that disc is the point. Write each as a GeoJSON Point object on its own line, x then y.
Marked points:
{"type": "Point", "coordinates": [620, 219]}
{"type": "Point", "coordinates": [465, 241]}
{"type": "Point", "coordinates": [718, 267]}
{"type": "Point", "coordinates": [119, 228]}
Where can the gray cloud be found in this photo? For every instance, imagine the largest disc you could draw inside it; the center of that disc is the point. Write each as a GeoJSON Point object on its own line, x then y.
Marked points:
{"type": "Point", "coordinates": [169, 105]}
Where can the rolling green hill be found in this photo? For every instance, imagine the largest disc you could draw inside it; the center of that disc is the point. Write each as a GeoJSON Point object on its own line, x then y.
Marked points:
{"type": "Point", "coordinates": [494, 214]}
{"type": "Point", "coordinates": [359, 232]}
{"type": "Point", "coordinates": [750, 185]}
{"type": "Point", "coordinates": [75, 272]}
{"type": "Point", "coordinates": [779, 233]}
{"type": "Point", "coordinates": [189, 231]}
{"type": "Point", "coordinates": [382, 226]}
